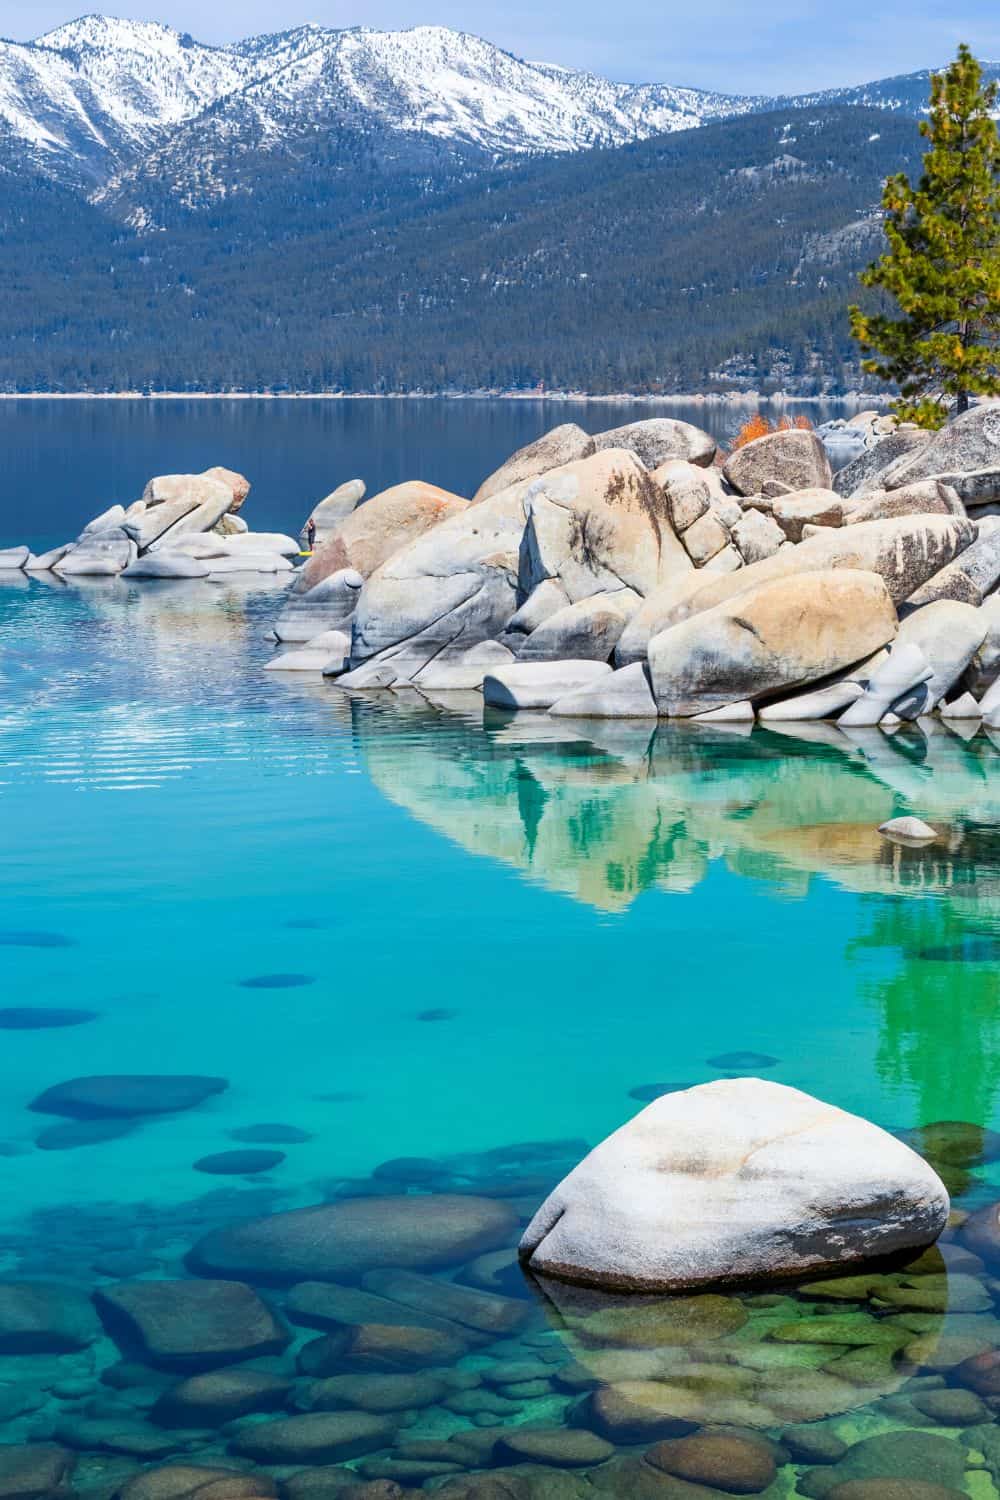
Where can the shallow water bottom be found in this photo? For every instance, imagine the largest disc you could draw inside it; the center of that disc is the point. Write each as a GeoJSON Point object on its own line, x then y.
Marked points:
{"type": "Point", "coordinates": [400, 948]}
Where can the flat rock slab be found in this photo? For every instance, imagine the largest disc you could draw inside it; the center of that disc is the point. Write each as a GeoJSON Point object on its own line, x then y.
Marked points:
{"type": "Point", "coordinates": [418, 1232]}
{"type": "Point", "coordinates": [126, 1094]}
{"type": "Point", "coordinates": [45, 1318]}
{"type": "Point", "coordinates": [315, 1438]}
{"type": "Point", "coordinates": [486, 1312]}
{"type": "Point", "coordinates": [189, 1325]}
{"type": "Point", "coordinates": [42, 1017]}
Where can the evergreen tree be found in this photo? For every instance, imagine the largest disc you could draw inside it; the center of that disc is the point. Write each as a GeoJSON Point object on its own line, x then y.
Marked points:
{"type": "Point", "coordinates": [943, 262]}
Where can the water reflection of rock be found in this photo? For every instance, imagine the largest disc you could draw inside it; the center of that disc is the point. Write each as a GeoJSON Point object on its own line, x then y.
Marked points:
{"type": "Point", "coordinates": [604, 811]}
{"type": "Point", "coordinates": [645, 1366]}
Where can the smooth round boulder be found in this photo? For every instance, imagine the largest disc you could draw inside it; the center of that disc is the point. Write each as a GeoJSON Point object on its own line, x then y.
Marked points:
{"type": "Point", "coordinates": [126, 1094]}
{"type": "Point", "coordinates": [659, 440]}
{"type": "Point", "coordinates": [666, 1202]}
{"type": "Point", "coordinates": [631, 1411]}
{"type": "Point", "coordinates": [562, 1447]}
{"type": "Point", "coordinates": [315, 1438]}
{"type": "Point", "coordinates": [732, 1462]}
{"type": "Point", "coordinates": [422, 1232]}
{"type": "Point", "coordinates": [795, 458]}
{"type": "Point", "coordinates": [211, 1482]}
{"type": "Point", "coordinates": [189, 1325]}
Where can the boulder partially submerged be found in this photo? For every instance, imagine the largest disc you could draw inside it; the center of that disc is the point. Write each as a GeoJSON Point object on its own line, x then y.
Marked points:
{"type": "Point", "coordinates": [738, 1181]}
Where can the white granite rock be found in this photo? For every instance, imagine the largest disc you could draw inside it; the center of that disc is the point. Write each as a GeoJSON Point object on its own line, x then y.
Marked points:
{"type": "Point", "coordinates": [625, 694]}
{"type": "Point", "coordinates": [741, 1180]}
{"type": "Point", "coordinates": [908, 830]}
{"type": "Point", "coordinates": [14, 558]}
{"type": "Point", "coordinates": [539, 684]}
{"type": "Point", "coordinates": [906, 668]}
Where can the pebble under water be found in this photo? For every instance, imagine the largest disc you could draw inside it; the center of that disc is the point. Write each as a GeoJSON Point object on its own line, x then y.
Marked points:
{"type": "Point", "coordinates": [231, 908]}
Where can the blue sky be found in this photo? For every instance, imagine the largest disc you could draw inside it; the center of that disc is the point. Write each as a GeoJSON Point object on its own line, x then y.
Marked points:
{"type": "Point", "coordinates": [780, 45]}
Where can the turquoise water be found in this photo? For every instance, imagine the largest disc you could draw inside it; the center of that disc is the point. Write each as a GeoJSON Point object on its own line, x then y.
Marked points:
{"type": "Point", "coordinates": [412, 929]}
{"type": "Point", "coordinates": [382, 928]}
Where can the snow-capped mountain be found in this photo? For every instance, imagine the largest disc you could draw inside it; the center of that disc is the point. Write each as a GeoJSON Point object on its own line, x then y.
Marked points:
{"type": "Point", "coordinates": [92, 97]}
{"type": "Point", "coordinates": [103, 104]}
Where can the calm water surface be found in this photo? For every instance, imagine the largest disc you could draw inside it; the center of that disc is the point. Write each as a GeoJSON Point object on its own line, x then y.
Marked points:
{"type": "Point", "coordinates": [411, 930]}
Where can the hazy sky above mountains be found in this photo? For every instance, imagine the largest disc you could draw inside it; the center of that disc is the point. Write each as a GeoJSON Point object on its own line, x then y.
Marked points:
{"type": "Point", "coordinates": [786, 46]}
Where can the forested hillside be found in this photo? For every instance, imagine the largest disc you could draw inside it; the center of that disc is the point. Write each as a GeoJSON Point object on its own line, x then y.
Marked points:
{"type": "Point", "coordinates": [714, 258]}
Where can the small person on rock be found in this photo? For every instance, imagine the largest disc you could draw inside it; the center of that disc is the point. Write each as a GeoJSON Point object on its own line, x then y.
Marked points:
{"type": "Point", "coordinates": [310, 533]}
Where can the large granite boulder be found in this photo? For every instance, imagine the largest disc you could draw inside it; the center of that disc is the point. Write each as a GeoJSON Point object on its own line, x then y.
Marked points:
{"type": "Point", "coordinates": [333, 1240]}
{"type": "Point", "coordinates": [984, 668]}
{"type": "Point", "coordinates": [794, 458]}
{"type": "Point", "coordinates": [189, 1325]}
{"type": "Point", "coordinates": [814, 507]}
{"type": "Point", "coordinates": [561, 445]}
{"type": "Point", "coordinates": [329, 605]}
{"type": "Point", "coordinates": [926, 497]}
{"type": "Point", "coordinates": [587, 630]}
{"type": "Point", "coordinates": [597, 526]}
{"type": "Point", "coordinates": [741, 1180]}
{"type": "Point", "coordinates": [238, 485]}
{"type": "Point", "coordinates": [688, 492]}
{"type": "Point", "coordinates": [331, 513]}
{"type": "Point", "coordinates": [378, 529]}
{"type": "Point", "coordinates": [659, 440]}
{"type": "Point", "coordinates": [864, 473]}
{"type": "Point", "coordinates": [156, 521]}
{"type": "Point", "coordinates": [198, 503]}
{"type": "Point", "coordinates": [948, 634]}
{"type": "Point", "coordinates": [778, 635]}
{"type": "Point", "coordinates": [905, 552]}
{"type": "Point", "coordinates": [972, 575]}
{"type": "Point", "coordinates": [965, 454]}
{"type": "Point", "coordinates": [450, 590]}
{"type": "Point", "coordinates": [316, 1438]}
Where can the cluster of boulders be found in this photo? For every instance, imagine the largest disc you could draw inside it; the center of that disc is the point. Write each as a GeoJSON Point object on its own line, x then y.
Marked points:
{"type": "Point", "coordinates": [639, 574]}
{"type": "Point", "coordinates": [183, 526]}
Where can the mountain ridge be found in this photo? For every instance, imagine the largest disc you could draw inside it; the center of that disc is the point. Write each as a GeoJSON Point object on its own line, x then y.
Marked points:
{"type": "Point", "coordinates": [89, 102]}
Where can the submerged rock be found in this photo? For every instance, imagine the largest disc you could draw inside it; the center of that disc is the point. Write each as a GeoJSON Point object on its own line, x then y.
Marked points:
{"type": "Point", "coordinates": [668, 1201]}
{"type": "Point", "coordinates": [38, 1317]}
{"type": "Point", "coordinates": [333, 1239]}
{"type": "Point", "coordinates": [126, 1094]}
{"type": "Point", "coordinates": [315, 1438]}
{"type": "Point", "coordinates": [189, 1325]}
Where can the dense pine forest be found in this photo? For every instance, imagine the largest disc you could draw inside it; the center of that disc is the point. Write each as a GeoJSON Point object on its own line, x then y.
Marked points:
{"type": "Point", "coordinates": [717, 258]}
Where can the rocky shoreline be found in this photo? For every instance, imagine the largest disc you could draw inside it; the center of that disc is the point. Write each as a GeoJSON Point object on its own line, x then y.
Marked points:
{"type": "Point", "coordinates": [846, 574]}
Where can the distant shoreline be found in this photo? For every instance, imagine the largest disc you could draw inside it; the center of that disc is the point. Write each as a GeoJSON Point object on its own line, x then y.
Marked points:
{"type": "Point", "coordinates": [726, 398]}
